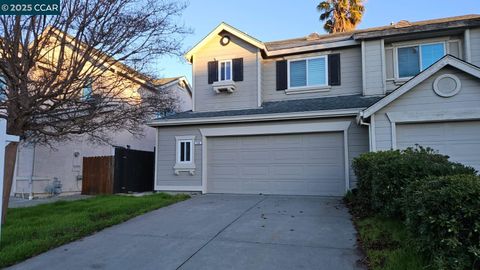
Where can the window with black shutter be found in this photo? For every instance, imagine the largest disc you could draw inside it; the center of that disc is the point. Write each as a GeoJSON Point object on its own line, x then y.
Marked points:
{"type": "Point", "coordinates": [334, 70]}
{"type": "Point", "coordinates": [237, 69]}
{"type": "Point", "coordinates": [212, 72]}
{"type": "Point", "coordinates": [282, 79]}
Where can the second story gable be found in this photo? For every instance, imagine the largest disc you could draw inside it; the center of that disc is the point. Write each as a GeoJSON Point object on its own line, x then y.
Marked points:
{"type": "Point", "coordinates": [232, 70]}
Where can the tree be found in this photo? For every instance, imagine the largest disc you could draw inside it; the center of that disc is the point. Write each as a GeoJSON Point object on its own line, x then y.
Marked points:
{"type": "Point", "coordinates": [341, 15]}
{"type": "Point", "coordinates": [49, 63]}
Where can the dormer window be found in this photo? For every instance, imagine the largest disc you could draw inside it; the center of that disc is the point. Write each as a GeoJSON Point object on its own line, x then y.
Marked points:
{"type": "Point", "coordinates": [225, 70]}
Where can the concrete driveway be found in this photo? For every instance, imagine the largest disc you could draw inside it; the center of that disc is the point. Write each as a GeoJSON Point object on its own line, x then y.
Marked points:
{"type": "Point", "coordinates": [219, 232]}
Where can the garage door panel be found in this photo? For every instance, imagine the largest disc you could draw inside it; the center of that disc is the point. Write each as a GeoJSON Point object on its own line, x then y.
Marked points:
{"type": "Point", "coordinates": [294, 164]}
{"type": "Point", "coordinates": [459, 140]}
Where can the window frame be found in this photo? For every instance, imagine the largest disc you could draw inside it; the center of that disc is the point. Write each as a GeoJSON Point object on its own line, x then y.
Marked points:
{"type": "Point", "coordinates": [184, 166]}
{"type": "Point", "coordinates": [325, 57]}
{"type": "Point", "coordinates": [179, 154]}
{"type": "Point", "coordinates": [419, 45]}
{"type": "Point", "coordinates": [220, 70]}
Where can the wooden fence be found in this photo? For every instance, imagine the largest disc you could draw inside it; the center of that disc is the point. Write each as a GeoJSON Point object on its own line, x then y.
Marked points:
{"type": "Point", "coordinates": [97, 175]}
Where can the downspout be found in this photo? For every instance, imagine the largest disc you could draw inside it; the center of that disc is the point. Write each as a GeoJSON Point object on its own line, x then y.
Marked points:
{"type": "Point", "coordinates": [30, 181]}
{"type": "Point", "coordinates": [363, 123]}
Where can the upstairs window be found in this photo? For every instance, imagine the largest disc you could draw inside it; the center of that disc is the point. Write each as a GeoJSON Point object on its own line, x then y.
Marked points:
{"type": "Point", "coordinates": [225, 70]}
{"type": "Point", "coordinates": [414, 59]}
{"type": "Point", "coordinates": [308, 72]}
{"type": "Point", "coordinates": [87, 90]}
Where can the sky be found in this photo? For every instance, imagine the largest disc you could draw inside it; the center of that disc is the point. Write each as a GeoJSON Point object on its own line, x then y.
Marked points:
{"type": "Point", "coordinates": [269, 20]}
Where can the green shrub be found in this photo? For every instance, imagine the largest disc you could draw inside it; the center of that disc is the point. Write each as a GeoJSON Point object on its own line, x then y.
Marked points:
{"type": "Point", "coordinates": [443, 215]}
{"type": "Point", "coordinates": [383, 176]}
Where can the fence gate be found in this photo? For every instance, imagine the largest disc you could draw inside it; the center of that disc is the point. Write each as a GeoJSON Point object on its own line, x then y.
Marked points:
{"type": "Point", "coordinates": [134, 170]}
{"type": "Point", "coordinates": [97, 175]}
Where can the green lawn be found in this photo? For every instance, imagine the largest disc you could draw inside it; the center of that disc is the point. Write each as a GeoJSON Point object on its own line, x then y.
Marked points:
{"type": "Point", "coordinates": [386, 244]}
{"type": "Point", "coordinates": [33, 230]}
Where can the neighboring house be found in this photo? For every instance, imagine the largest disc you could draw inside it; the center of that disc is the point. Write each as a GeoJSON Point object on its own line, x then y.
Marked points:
{"type": "Point", "coordinates": [38, 166]}
{"type": "Point", "coordinates": [288, 117]}
{"type": "Point", "coordinates": [64, 162]}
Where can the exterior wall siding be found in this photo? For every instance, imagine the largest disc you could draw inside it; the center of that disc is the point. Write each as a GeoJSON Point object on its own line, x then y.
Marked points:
{"type": "Point", "coordinates": [351, 77]}
{"type": "Point", "coordinates": [374, 65]}
{"type": "Point", "coordinates": [357, 144]}
{"type": "Point", "coordinates": [423, 99]}
{"type": "Point", "coordinates": [245, 94]}
{"type": "Point", "coordinates": [475, 46]}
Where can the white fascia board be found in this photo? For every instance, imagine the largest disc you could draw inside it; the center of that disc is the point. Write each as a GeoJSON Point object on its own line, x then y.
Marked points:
{"type": "Point", "coordinates": [446, 60]}
{"type": "Point", "coordinates": [232, 30]}
{"type": "Point", "coordinates": [331, 45]}
{"type": "Point", "coordinates": [255, 118]}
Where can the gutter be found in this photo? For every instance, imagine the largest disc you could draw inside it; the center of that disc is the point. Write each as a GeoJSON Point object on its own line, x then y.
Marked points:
{"type": "Point", "coordinates": [256, 118]}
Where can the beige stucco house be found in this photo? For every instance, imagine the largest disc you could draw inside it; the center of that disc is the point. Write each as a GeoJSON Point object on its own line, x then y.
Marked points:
{"type": "Point", "coordinates": [288, 117]}
{"type": "Point", "coordinates": [38, 166]}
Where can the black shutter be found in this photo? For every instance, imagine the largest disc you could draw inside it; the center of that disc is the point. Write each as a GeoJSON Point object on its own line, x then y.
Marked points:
{"type": "Point", "coordinates": [281, 75]}
{"type": "Point", "coordinates": [212, 71]}
{"type": "Point", "coordinates": [334, 69]}
{"type": "Point", "coordinates": [237, 69]}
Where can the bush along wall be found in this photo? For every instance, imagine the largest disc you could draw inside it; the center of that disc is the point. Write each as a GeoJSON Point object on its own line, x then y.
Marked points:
{"type": "Point", "coordinates": [383, 176]}
{"type": "Point", "coordinates": [443, 214]}
{"type": "Point", "coordinates": [438, 200]}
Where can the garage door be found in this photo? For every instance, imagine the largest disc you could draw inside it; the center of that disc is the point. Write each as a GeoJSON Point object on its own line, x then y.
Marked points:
{"type": "Point", "coordinates": [300, 164]}
{"type": "Point", "coordinates": [459, 140]}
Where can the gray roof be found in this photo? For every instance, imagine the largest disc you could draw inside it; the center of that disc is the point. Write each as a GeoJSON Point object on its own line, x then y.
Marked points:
{"type": "Point", "coordinates": [400, 27]}
{"type": "Point", "coordinates": [288, 106]}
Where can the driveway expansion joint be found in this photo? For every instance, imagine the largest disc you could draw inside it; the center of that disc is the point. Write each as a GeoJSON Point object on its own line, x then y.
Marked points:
{"type": "Point", "coordinates": [222, 230]}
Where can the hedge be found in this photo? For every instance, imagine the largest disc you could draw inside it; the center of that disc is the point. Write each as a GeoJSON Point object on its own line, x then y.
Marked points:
{"type": "Point", "coordinates": [383, 176]}
{"type": "Point", "coordinates": [443, 215]}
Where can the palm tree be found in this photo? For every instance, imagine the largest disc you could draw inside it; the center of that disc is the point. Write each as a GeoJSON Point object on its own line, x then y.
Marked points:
{"type": "Point", "coordinates": [341, 15]}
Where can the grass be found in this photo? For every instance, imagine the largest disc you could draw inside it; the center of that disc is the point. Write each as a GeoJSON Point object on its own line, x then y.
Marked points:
{"type": "Point", "coordinates": [32, 230]}
{"type": "Point", "coordinates": [386, 244]}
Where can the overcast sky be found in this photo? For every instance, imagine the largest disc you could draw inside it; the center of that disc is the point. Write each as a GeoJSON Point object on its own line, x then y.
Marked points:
{"type": "Point", "coordinates": [269, 20]}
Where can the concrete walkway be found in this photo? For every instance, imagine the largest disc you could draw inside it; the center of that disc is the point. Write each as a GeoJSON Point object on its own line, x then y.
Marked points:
{"type": "Point", "coordinates": [219, 232]}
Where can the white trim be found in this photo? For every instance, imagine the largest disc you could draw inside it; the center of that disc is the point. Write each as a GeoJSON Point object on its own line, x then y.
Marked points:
{"type": "Point", "coordinates": [468, 51]}
{"type": "Point", "coordinates": [178, 188]}
{"type": "Point", "coordinates": [155, 172]}
{"type": "Point", "coordinates": [364, 74]}
{"type": "Point", "coordinates": [259, 79]}
{"type": "Point", "coordinates": [434, 116]}
{"type": "Point", "coordinates": [307, 59]}
{"type": "Point", "coordinates": [346, 159]}
{"type": "Point", "coordinates": [245, 130]}
{"type": "Point", "coordinates": [193, 85]}
{"type": "Point", "coordinates": [184, 166]}
{"type": "Point", "coordinates": [340, 126]}
{"type": "Point", "coordinates": [373, 147]}
{"type": "Point", "coordinates": [428, 117]}
{"type": "Point", "coordinates": [220, 70]}
{"type": "Point", "coordinates": [224, 27]}
{"type": "Point", "coordinates": [422, 76]}
{"type": "Point", "coordinates": [446, 95]}
{"type": "Point", "coordinates": [204, 165]}
{"type": "Point", "coordinates": [255, 118]}
{"type": "Point", "coordinates": [335, 45]}
{"type": "Point", "coordinates": [384, 66]}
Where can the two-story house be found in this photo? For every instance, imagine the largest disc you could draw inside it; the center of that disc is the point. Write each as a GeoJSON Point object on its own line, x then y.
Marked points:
{"type": "Point", "coordinates": [38, 166]}
{"type": "Point", "coordinates": [288, 117]}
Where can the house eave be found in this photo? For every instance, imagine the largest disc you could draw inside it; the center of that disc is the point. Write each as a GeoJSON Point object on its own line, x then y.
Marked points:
{"type": "Point", "coordinates": [256, 118]}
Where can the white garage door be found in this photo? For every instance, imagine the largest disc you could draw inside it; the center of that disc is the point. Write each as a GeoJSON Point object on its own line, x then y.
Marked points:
{"type": "Point", "coordinates": [295, 164]}
{"type": "Point", "coordinates": [459, 140]}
